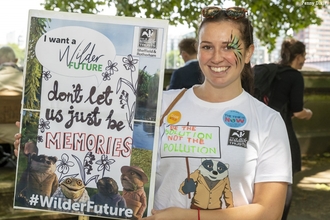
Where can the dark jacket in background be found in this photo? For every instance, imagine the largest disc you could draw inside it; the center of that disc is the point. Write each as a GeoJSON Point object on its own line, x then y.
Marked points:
{"type": "Point", "coordinates": [290, 90]}
{"type": "Point", "coordinates": [186, 76]}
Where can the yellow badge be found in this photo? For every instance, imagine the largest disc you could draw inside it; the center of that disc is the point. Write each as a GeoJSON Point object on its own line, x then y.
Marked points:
{"type": "Point", "coordinates": [174, 117]}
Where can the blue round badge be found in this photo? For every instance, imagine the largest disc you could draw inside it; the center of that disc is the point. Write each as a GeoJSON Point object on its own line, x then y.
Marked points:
{"type": "Point", "coordinates": [234, 119]}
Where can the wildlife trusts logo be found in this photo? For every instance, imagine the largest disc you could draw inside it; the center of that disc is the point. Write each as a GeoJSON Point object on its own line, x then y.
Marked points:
{"type": "Point", "coordinates": [148, 38]}
{"type": "Point", "coordinates": [238, 138]}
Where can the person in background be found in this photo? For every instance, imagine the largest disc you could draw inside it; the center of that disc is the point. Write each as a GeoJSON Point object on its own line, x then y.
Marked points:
{"type": "Point", "coordinates": [11, 76]}
{"type": "Point", "coordinates": [11, 79]}
{"type": "Point", "coordinates": [290, 90]}
{"type": "Point", "coordinates": [190, 73]}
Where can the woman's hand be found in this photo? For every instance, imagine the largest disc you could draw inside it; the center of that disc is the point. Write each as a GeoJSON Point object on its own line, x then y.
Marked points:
{"type": "Point", "coordinates": [304, 114]}
{"type": "Point", "coordinates": [17, 140]}
{"type": "Point", "coordinates": [173, 213]}
{"type": "Point", "coordinates": [268, 203]}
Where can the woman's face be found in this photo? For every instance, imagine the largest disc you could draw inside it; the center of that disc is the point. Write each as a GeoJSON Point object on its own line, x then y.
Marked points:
{"type": "Point", "coordinates": [301, 60]}
{"type": "Point", "coordinates": [222, 53]}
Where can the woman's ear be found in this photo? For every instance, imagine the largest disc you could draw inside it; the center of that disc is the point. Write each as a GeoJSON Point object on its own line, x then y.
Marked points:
{"type": "Point", "coordinates": [249, 53]}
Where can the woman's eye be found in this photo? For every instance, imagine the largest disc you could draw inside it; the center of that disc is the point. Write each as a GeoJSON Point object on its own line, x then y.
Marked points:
{"type": "Point", "coordinates": [206, 47]}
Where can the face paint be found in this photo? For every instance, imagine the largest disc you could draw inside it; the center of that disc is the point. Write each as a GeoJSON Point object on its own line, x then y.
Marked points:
{"type": "Point", "coordinates": [235, 45]}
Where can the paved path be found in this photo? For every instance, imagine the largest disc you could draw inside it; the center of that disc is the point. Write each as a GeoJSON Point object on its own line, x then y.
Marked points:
{"type": "Point", "coordinates": [311, 192]}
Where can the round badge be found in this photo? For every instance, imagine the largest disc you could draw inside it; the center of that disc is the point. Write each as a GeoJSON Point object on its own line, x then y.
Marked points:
{"type": "Point", "coordinates": [174, 117]}
{"type": "Point", "coordinates": [234, 119]}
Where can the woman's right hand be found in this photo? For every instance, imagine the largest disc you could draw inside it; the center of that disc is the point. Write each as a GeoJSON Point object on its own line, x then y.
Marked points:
{"type": "Point", "coordinates": [304, 114]}
{"type": "Point", "coordinates": [17, 140]}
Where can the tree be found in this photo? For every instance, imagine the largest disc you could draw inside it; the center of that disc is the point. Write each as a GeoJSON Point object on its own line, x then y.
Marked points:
{"type": "Point", "coordinates": [34, 68]}
{"type": "Point", "coordinates": [142, 90]}
{"type": "Point", "coordinates": [268, 17]}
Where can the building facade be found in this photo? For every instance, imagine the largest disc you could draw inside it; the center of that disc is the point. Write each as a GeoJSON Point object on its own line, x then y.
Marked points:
{"type": "Point", "coordinates": [317, 41]}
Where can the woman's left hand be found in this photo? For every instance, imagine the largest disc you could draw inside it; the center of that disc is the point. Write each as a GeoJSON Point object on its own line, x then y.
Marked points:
{"type": "Point", "coordinates": [172, 213]}
{"type": "Point", "coordinates": [17, 140]}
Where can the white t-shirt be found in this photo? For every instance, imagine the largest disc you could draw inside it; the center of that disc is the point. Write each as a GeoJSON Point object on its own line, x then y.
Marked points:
{"type": "Point", "coordinates": [225, 147]}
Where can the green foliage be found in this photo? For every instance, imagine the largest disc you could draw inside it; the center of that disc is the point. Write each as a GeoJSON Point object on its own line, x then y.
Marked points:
{"type": "Point", "coordinates": [173, 60]}
{"type": "Point", "coordinates": [30, 127]}
{"type": "Point", "coordinates": [83, 6]}
{"type": "Point", "coordinates": [33, 79]}
{"type": "Point", "coordinates": [269, 17]}
{"type": "Point", "coordinates": [22, 165]}
{"type": "Point", "coordinates": [147, 91]}
{"type": "Point", "coordinates": [33, 68]}
{"type": "Point", "coordinates": [143, 88]}
{"type": "Point", "coordinates": [143, 159]}
{"type": "Point", "coordinates": [153, 91]}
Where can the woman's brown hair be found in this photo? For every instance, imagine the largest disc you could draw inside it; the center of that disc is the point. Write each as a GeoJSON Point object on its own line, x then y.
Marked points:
{"type": "Point", "coordinates": [290, 49]}
{"type": "Point", "coordinates": [246, 30]}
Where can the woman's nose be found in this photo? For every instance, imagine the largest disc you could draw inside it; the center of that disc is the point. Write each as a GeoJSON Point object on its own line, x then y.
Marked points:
{"type": "Point", "coordinates": [217, 56]}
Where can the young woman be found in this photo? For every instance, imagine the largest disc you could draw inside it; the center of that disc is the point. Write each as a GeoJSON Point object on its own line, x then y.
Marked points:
{"type": "Point", "coordinates": [290, 91]}
{"type": "Point", "coordinates": [223, 154]}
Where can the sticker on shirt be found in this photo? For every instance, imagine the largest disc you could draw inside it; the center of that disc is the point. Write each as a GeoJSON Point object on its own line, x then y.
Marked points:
{"type": "Point", "coordinates": [174, 117]}
{"type": "Point", "coordinates": [238, 138]}
{"type": "Point", "coordinates": [234, 119]}
{"type": "Point", "coordinates": [210, 186]}
{"type": "Point", "coordinates": [190, 141]}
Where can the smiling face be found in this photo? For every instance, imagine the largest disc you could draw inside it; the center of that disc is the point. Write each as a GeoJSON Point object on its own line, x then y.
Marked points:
{"type": "Point", "coordinates": [72, 188]}
{"type": "Point", "coordinates": [222, 54]}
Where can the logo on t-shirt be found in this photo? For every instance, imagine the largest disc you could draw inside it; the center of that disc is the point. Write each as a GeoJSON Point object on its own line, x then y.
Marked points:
{"type": "Point", "coordinates": [238, 138]}
{"type": "Point", "coordinates": [215, 190]}
{"type": "Point", "coordinates": [174, 117]}
{"type": "Point", "coordinates": [234, 119]}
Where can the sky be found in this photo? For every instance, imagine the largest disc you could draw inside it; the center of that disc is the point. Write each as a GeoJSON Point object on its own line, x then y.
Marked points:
{"type": "Point", "coordinates": [14, 17]}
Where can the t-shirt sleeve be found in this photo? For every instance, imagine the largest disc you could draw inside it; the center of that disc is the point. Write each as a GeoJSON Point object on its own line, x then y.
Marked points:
{"type": "Point", "coordinates": [274, 163]}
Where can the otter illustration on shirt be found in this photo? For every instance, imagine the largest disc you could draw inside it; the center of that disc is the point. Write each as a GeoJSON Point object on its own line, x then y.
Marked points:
{"type": "Point", "coordinates": [210, 185]}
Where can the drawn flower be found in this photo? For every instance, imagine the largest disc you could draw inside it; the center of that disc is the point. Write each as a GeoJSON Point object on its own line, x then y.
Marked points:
{"type": "Point", "coordinates": [88, 162]}
{"type": "Point", "coordinates": [123, 98]}
{"type": "Point", "coordinates": [104, 163]}
{"type": "Point", "coordinates": [46, 75]}
{"type": "Point", "coordinates": [129, 62]}
{"type": "Point", "coordinates": [106, 76]}
{"type": "Point", "coordinates": [65, 164]}
{"type": "Point", "coordinates": [43, 125]}
{"type": "Point", "coordinates": [109, 70]}
{"type": "Point", "coordinates": [39, 139]}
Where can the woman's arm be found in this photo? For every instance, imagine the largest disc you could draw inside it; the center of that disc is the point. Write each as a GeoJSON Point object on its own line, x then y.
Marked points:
{"type": "Point", "coordinates": [268, 203]}
{"type": "Point", "coordinates": [304, 114]}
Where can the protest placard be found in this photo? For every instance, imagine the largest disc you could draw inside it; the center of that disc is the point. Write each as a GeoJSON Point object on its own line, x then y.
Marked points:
{"type": "Point", "coordinates": [90, 112]}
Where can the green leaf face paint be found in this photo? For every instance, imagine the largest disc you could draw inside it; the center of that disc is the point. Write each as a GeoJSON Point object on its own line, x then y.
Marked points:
{"type": "Point", "coordinates": [234, 43]}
